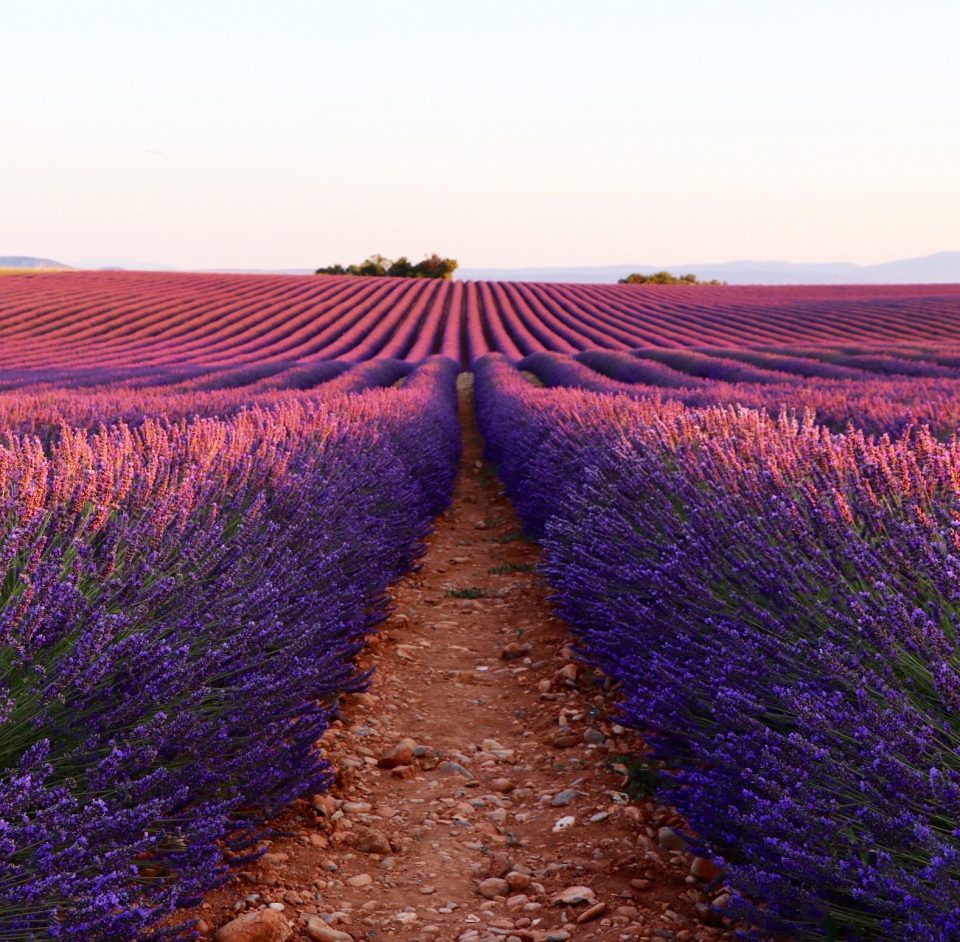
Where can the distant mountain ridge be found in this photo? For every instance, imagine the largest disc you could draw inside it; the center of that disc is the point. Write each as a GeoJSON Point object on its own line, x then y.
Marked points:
{"type": "Point", "coordinates": [939, 268]}
{"type": "Point", "coordinates": [29, 261]}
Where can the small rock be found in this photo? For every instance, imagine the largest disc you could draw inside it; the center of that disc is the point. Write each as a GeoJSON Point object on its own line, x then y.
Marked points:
{"type": "Point", "coordinates": [594, 737]}
{"type": "Point", "coordinates": [356, 807]}
{"type": "Point", "coordinates": [668, 839]}
{"type": "Point", "coordinates": [575, 896]}
{"type": "Point", "coordinates": [599, 816]}
{"type": "Point", "coordinates": [455, 768]}
{"type": "Point", "coordinates": [598, 909]}
{"type": "Point", "coordinates": [361, 879]}
{"type": "Point", "coordinates": [564, 741]}
{"type": "Point", "coordinates": [493, 887]}
{"type": "Point", "coordinates": [564, 798]}
{"type": "Point", "coordinates": [401, 754]}
{"type": "Point", "coordinates": [518, 881]}
{"type": "Point", "coordinates": [264, 926]}
{"type": "Point", "coordinates": [514, 651]}
{"type": "Point", "coordinates": [324, 805]}
{"type": "Point", "coordinates": [704, 869]}
{"type": "Point", "coordinates": [563, 823]}
{"type": "Point", "coordinates": [370, 842]}
{"type": "Point", "coordinates": [502, 785]}
{"type": "Point", "coordinates": [498, 865]}
{"type": "Point", "coordinates": [492, 745]}
{"type": "Point", "coordinates": [319, 931]}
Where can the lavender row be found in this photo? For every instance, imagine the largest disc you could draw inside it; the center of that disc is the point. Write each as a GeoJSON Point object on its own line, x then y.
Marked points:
{"type": "Point", "coordinates": [44, 410]}
{"type": "Point", "coordinates": [876, 405]}
{"type": "Point", "coordinates": [780, 607]}
{"type": "Point", "coordinates": [181, 608]}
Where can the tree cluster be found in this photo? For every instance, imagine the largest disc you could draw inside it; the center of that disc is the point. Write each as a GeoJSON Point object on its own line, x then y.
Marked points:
{"type": "Point", "coordinates": [665, 278]}
{"type": "Point", "coordinates": [376, 266]}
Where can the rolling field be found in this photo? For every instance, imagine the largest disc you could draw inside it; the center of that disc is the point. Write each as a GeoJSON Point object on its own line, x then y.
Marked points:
{"type": "Point", "coordinates": [95, 319]}
{"type": "Point", "coordinates": [747, 504]}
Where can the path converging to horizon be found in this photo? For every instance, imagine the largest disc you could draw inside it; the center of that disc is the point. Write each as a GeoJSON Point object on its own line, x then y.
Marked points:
{"type": "Point", "coordinates": [478, 793]}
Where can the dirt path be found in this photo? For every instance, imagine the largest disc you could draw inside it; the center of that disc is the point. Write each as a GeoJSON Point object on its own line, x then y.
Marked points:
{"type": "Point", "coordinates": [509, 797]}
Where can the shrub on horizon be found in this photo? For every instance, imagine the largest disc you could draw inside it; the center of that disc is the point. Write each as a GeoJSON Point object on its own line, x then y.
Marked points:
{"type": "Point", "coordinates": [665, 278]}
{"type": "Point", "coordinates": [377, 266]}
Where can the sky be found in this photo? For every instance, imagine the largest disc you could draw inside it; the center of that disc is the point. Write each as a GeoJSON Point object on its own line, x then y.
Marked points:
{"type": "Point", "coordinates": [297, 133]}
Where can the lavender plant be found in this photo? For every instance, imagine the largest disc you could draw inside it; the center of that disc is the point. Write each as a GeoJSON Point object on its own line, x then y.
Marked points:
{"type": "Point", "coordinates": [780, 607]}
{"type": "Point", "coordinates": [181, 606]}
{"type": "Point", "coordinates": [876, 404]}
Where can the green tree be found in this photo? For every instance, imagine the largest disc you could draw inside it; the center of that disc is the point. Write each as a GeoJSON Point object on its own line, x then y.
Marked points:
{"type": "Point", "coordinates": [665, 278]}
{"type": "Point", "coordinates": [377, 266]}
{"type": "Point", "coordinates": [402, 268]}
{"type": "Point", "coordinates": [436, 267]}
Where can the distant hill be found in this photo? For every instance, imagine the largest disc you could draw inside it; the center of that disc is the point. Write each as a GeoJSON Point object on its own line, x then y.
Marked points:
{"type": "Point", "coordinates": [28, 261]}
{"type": "Point", "coordinates": [941, 268]}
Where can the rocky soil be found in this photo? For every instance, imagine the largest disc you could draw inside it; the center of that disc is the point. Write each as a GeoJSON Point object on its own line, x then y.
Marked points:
{"type": "Point", "coordinates": [479, 794]}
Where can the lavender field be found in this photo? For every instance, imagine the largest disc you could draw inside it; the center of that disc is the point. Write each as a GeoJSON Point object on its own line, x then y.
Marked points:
{"type": "Point", "coordinates": [747, 502]}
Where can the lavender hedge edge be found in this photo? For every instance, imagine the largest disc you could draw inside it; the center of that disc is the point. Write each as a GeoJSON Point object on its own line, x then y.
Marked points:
{"type": "Point", "coordinates": [780, 607]}
{"type": "Point", "coordinates": [182, 605]}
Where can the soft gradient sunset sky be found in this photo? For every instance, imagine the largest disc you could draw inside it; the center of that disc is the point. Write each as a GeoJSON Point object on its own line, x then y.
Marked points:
{"type": "Point", "coordinates": [528, 132]}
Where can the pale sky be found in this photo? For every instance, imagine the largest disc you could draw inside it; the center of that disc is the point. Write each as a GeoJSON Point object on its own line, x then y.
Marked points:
{"type": "Point", "coordinates": [290, 133]}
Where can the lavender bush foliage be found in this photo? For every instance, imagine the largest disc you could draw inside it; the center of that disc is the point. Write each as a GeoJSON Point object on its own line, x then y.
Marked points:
{"type": "Point", "coordinates": [780, 606]}
{"type": "Point", "coordinates": [181, 606]}
{"type": "Point", "coordinates": [877, 405]}
{"type": "Point", "coordinates": [42, 409]}
{"type": "Point", "coordinates": [621, 366]}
